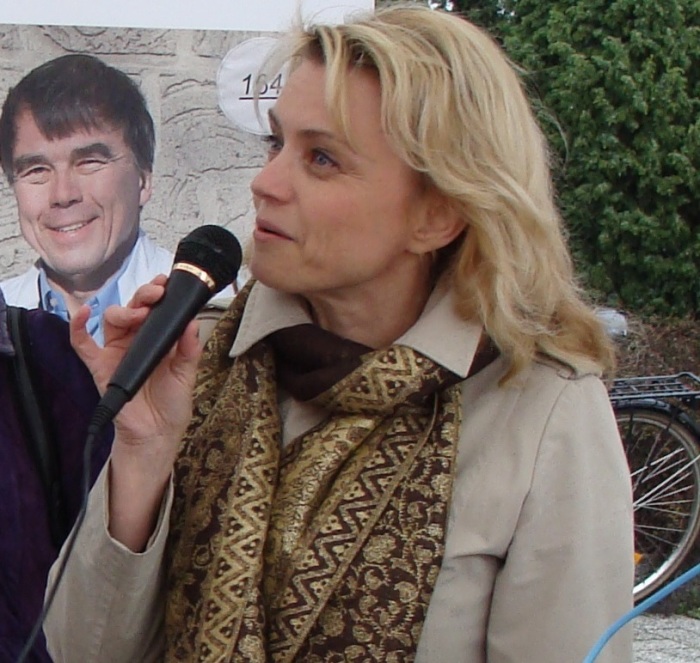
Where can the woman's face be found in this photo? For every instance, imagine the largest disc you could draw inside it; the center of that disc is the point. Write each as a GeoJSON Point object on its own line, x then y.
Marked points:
{"type": "Point", "coordinates": [332, 220]}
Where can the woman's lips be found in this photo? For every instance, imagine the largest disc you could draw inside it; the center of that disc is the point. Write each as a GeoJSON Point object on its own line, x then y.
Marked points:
{"type": "Point", "coordinates": [264, 229]}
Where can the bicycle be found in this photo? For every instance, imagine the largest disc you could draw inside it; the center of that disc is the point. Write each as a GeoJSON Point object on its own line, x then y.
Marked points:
{"type": "Point", "coordinates": [662, 445]}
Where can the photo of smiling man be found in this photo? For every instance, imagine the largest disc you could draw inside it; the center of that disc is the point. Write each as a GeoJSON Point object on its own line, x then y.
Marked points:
{"type": "Point", "coordinates": [77, 144]}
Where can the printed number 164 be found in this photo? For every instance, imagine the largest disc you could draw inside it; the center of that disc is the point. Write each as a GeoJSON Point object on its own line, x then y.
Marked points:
{"type": "Point", "coordinates": [264, 88]}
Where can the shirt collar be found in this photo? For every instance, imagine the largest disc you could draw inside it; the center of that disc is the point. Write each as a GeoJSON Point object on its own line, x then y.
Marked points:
{"type": "Point", "coordinates": [54, 302]}
{"type": "Point", "coordinates": [439, 333]}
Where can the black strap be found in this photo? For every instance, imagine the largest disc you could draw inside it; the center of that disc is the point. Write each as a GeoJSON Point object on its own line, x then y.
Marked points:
{"type": "Point", "coordinates": [41, 446]}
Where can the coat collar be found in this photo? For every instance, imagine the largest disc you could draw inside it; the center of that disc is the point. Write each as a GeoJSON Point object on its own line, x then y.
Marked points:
{"type": "Point", "coordinates": [439, 333]}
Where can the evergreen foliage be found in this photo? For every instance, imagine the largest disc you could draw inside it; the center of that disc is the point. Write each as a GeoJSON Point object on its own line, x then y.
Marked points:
{"type": "Point", "coordinates": [619, 89]}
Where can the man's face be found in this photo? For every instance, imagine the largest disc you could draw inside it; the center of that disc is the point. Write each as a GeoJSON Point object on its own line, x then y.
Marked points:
{"type": "Point", "coordinates": [79, 200]}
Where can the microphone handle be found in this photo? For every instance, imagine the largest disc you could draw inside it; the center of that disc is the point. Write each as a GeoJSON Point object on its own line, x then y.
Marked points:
{"type": "Point", "coordinates": [185, 295]}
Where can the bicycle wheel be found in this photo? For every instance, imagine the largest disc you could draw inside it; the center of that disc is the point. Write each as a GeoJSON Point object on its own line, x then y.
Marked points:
{"type": "Point", "coordinates": [662, 451]}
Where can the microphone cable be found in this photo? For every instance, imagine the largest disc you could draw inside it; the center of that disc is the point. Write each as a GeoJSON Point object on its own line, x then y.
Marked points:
{"type": "Point", "coordinates": [639, 609]}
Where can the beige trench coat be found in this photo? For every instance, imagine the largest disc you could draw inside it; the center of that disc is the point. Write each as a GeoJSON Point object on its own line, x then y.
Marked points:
{"type": "Point", "coordinates": [539, 548]}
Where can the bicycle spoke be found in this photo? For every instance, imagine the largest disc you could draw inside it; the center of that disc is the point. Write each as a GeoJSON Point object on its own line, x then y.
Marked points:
{"type": "Point", "coordinates": [663, 511]}
{"type": "Point", "coordinates": [660, 493]}
{"type": "Point", "coordinates": [664, 465]}
{"type": "Point", "coordinates": [650, 528]}
{"type": "Point", "coordinates": [664, 459]}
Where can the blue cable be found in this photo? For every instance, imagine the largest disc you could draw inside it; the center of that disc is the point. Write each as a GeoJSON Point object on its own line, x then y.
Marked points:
{"type": "Point", "coordinates": [639, 609]}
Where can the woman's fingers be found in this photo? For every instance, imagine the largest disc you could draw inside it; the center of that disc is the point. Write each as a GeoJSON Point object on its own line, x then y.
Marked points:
{"type": "Point", "coordinates": [163, 402]}
{"type": "Point", "coordinates": [85, 346]}
{"type": "Point", "coordinates": [149, 293]}
{"type": "Point", "coordinates": [189, 345]}
{"type": "Point", "coordinates": [120, 325]}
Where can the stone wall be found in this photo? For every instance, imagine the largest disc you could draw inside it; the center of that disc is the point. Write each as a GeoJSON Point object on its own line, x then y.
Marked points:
{"type": "Point", "coordinates": [203, 164]}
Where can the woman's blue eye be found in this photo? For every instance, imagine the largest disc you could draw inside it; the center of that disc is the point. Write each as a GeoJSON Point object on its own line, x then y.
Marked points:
{"type": "Point", "coordinates": [320, 158]}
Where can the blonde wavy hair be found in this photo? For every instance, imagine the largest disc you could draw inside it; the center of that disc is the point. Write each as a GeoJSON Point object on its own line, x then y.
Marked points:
{"type": "Point", "coordinates": [454, 108]}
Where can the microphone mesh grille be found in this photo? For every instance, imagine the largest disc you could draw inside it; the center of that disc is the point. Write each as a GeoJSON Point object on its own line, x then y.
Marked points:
{"type": "Point", "coordinates": [214, 250]}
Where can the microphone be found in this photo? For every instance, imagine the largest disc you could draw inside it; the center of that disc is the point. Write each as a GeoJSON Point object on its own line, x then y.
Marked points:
{"type": "Point", "coordinates": [205, 262]}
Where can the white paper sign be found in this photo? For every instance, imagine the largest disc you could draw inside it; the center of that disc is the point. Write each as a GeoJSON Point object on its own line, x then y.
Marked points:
{"type": "Point", "coordinates": [238, 79]}
{"type": "Point", "coordinates": [248, 15]}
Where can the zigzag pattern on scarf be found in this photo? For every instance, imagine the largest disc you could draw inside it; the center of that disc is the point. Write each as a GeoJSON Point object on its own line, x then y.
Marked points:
{"type": "Point", "coordinates": [368, 522]}
{"type": "Point", "coordinates": [334, 547]}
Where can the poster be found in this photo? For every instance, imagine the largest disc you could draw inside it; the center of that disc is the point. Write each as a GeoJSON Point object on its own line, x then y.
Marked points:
{"type": "Point", "coordinates": [204, 162]}
{"type": "Point", "coordinates": [241, 15]}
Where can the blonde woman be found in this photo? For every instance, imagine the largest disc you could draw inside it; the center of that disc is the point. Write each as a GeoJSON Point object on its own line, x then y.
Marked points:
{"type": "Point", "coordinates": [400, 448]}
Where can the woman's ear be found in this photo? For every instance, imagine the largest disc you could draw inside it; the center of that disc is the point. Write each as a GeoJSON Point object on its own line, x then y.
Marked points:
{"type": "Point", "coordinates": [435, 224]}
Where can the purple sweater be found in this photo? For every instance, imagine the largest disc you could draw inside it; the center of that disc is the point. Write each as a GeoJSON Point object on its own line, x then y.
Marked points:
{"type": "Point", "coordinates": [26, 551]}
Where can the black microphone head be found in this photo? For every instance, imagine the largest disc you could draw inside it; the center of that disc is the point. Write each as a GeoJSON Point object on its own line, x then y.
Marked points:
{"type": "Point", "coordinates": [215, 251]}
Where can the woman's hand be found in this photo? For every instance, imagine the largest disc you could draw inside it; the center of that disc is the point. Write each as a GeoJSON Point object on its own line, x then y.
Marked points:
{"type": "Point", "coordinates": [162, 405]}
{"type": "Point", "coordinates": [149, 428]}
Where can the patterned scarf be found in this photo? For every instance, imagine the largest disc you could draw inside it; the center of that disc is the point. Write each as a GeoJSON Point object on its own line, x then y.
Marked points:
{"type": "Point", "coordinates": [328, 549]}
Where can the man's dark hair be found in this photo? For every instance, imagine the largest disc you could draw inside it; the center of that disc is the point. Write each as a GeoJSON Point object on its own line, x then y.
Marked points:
{"type": "Point", "coordinates": [75, 92]}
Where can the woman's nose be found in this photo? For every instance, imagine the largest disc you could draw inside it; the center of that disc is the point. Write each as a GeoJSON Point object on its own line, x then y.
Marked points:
{"type": "Point", "coordinates": [274, 181]}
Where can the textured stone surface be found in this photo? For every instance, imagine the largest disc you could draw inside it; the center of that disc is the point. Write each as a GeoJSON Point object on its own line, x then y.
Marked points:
{"type": "Point", "coordinates": [660, 639]}
{"type": "Point", "coordinates": [9, 37]}
{"type": "Point", "coordinates": [203, 164]}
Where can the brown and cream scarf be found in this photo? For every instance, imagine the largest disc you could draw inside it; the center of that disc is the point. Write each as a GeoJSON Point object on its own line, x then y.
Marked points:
{"type": "Point", "coordinates": [326, 549]}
